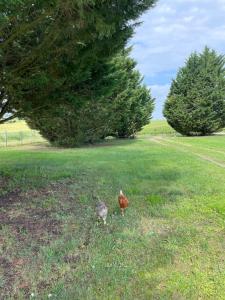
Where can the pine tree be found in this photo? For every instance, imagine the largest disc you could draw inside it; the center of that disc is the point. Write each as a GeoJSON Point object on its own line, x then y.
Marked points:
{"type": "Point", "coordinates": [112, 102]}
{"type": "Point", "coordinates": [196, 101]}
{"type": "Point", "coordinates": [43, 41]}
{"type": "Point", "coordinates": [132, 104]}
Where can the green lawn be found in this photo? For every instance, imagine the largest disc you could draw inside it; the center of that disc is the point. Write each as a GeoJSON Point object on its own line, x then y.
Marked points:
{"type": "Point", "coordinates": [169, 245]}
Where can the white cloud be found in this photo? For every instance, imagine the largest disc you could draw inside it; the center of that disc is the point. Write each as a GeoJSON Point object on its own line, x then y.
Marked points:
{"type": "Point", "coordinates": [171, 31]}
{"type": "Point", "coordinates": [222, 4]}
{"type": "Point", "coordinates": [160, 91]}
{"type": "Point", "coordinates": [188, 19]}
{"type": "Point", "coordinates": [166, 9]}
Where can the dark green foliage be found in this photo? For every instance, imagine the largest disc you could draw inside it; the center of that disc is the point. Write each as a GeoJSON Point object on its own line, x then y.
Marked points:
{"type": "Point", "coordinates": [119, 106]}
{"type": "Point", "coordinates": [42, 42]}
{"type": "Point", "coordinates": [196, 102]}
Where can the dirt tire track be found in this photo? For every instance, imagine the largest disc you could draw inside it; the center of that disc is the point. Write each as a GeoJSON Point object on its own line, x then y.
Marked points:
{"type": "Point", "coordinates": [166, 143]}
{"type": "Point", "coordinates": [191, 146]}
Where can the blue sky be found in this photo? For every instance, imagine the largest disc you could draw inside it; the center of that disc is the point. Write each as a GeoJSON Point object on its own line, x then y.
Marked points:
{"type": "Point", "coordinates": [167, 36]}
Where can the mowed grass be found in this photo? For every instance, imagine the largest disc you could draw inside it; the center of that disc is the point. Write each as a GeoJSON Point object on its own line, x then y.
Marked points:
{"type": "Point", "coordinates": [169, 245]}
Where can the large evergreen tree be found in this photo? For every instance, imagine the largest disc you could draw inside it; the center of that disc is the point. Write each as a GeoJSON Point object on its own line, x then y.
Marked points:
{"type": "Point", "coordinates": [132, 103]}
{"type": "Point", "coordinates": [43, 41]}
{"type": "Point", "coordinates": [196, 101]}
{"type": "Point", "coordinates": [112, 102]}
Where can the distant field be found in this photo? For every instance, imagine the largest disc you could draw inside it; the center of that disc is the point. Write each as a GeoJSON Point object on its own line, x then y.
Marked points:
{"type": "Point", "coordinates": [157, 127]}
{"type": "Point", "coordinates": [18, 133]}
{"type": "Point", "coordinates": [160, 127]}
{"type": "Point", "coordinates": [14, 127]}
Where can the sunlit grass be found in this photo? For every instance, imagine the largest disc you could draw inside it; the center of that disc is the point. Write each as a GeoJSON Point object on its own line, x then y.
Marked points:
{"type": "Point", "coordinates": [16, 126]}
{"type": "Point", "coordinates": [18, 133]}
{"type": "Point", "coordinates": [169, 245]}
{"type": "Point", "coordinates": [157, 127]}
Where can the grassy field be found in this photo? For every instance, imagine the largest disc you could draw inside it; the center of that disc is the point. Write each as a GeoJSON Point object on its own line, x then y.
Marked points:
{"type": "Point", "coordinates": [18, 133]}
{"type": "Point", "coordinates": [16, 126]}
{"type": "Point", "coordinates": [157, 127]}
{"type": "Point", "coordinates": [169, 245]}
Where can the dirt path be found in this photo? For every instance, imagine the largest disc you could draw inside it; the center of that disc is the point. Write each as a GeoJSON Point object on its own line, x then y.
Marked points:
{"type": "Point", "coordinates": [193, 146]}
{"type": "Point", "coordinates": [185, 148]}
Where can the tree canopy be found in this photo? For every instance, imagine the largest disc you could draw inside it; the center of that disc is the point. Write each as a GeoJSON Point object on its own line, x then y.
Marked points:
{"type": "Point", "coordinates": [116, 104]}
{"type": "Point", "coordinates": [196, 101]}
{"type": "Point", "coordinates": [42, 42]}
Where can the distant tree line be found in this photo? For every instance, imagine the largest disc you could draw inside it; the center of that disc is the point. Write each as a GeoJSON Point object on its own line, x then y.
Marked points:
{"type": "Point", "coordinates": [64, 68]}
{"type": "Point", "coordinates": [196, 101]}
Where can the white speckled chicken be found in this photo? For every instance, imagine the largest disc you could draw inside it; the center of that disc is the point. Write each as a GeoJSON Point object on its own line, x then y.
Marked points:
{"type": "Point", "coordinates": [102, 211]}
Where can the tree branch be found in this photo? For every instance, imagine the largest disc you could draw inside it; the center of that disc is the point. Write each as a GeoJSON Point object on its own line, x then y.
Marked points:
{"type": "Point", "coordinates": [3, 108]}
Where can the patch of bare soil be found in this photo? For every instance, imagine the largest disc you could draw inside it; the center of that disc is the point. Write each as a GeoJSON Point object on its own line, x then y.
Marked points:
{"type": "Point", "coordinates": [30, 224]}
{"type": "Point", "coordinates": [9, 198]}
{"type": "Point", "coordinates": [4, 180]}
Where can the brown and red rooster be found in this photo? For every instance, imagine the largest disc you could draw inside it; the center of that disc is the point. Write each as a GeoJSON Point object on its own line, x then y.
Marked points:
{"type": "Point", "coordinates": [123, 202]}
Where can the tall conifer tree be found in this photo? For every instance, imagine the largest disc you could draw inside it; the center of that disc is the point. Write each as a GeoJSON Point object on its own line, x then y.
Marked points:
{"type": "Point", "coordinates": [43, 41]}
{"type": "Point", "coordinates": [196, 101]}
